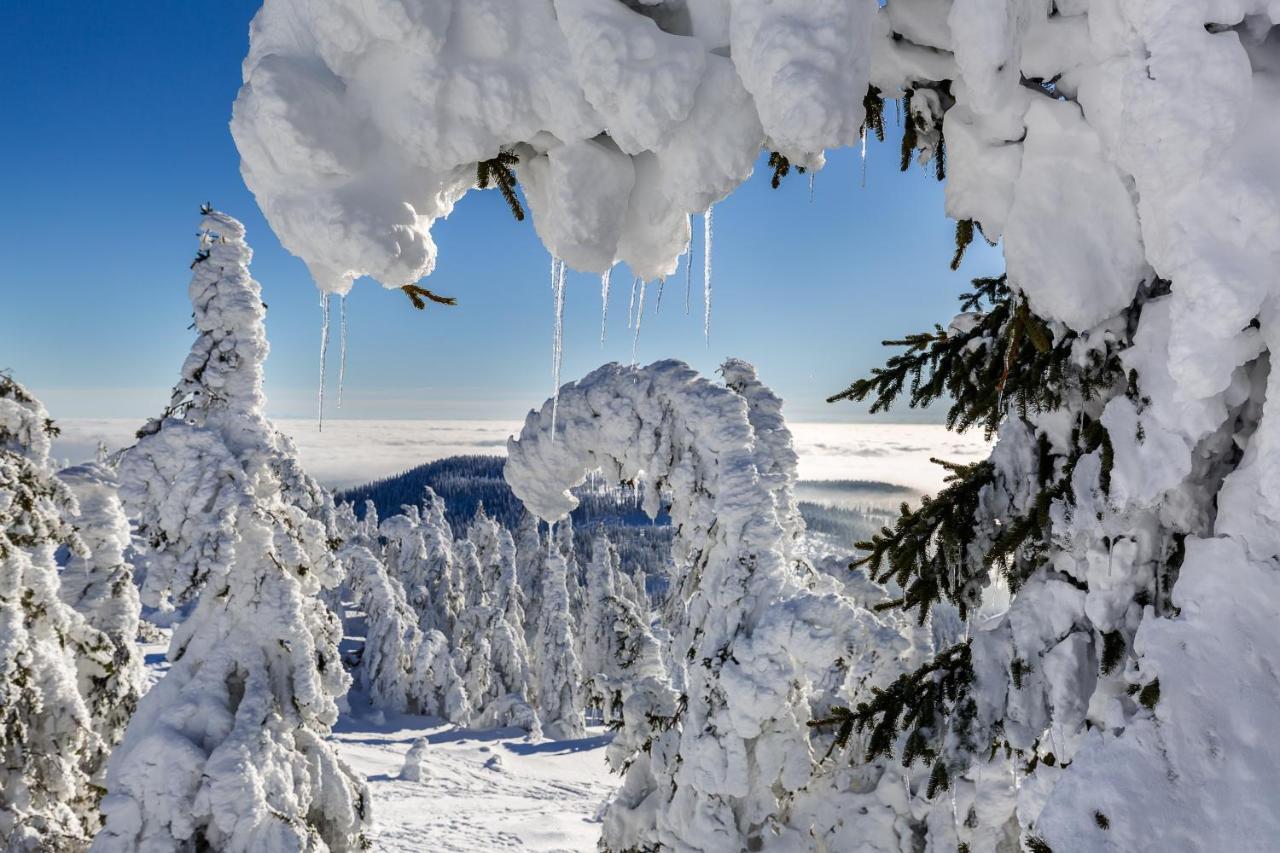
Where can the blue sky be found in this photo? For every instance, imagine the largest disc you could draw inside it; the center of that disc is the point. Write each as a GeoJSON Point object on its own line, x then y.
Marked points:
{"type": "Point", "coordinates": [116, 130]}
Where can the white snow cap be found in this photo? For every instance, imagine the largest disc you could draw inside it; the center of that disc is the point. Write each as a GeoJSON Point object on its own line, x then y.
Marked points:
{"type": "Point", "coordinates": [361, 124]}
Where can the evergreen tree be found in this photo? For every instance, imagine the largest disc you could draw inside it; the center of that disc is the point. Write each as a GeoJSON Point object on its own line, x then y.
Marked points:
{"type": "Point", "coordinates": [531, 552]}
{"type": "Point", "coordinates": [51, 748]}
{"type": "Point", "coordinates": [616, 646]}
{"type": "Point", "coordinates": [99, 585]}
{"type": "Point", "coordinates": [391, 630]}
{"type": "Point", "coordinates": [228, 751]}
{"type": "Point", "coordinates": [559, 698]}
{"type": "Point", "coordinates": [419, 548]}
{"type": "Point", "coordinates": [491, 653]}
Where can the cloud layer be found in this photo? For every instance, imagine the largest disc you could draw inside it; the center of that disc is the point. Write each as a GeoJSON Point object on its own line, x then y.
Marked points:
{"type": "Point", "coordinates": [350, 452]}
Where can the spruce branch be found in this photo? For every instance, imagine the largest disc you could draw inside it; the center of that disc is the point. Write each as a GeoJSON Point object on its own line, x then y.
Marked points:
{"type": "Point", "coordinates": [781, 168]}
{"type": "Point", "coordinates": [416, 295]}
{"type": "Point", "coordinates": [964, 236]}
{"type": "Point", "coordinates": [926, 553]}
{"type": "Point", "coordinates": [498, 172]}
{"type": "Point", "coordinates": [917, 704]}
{"type": "Point", "coordinates": [873, 104]}
{"type": "Point", "coordinates": [1006, 362]}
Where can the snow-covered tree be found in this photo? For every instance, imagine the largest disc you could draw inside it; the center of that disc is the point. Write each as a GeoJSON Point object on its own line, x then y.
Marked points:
{"type": "Point", "coordinates": [391, 630]}
{"type": "Point", "coordinates": [496, 553]}
{"type": "Point", "coordinates": [559, 675]}
{"type": "Point", "coordinates": [715, 767]}
{"type": "Point", "coordinates": [420, 555]}
{"type": "Point", "coordinates": [402, 668]}
{"type": "Point", "coordinates": [564, 541]}
{"type": "Point", "coordinates": [531, 553]}
{"type": "Point", "coordinates": [599, 593]}
{"type": "Point", "coordinates": [50, 744]}
{"type": "Point", "coordinates": [616, 645]}
{"type": "Point", "coordinates": [98, 583]}
{"type": "Point", "coordinates": [491, 654]}
{"type": "Point", "coordinates": [436, 685]}
{"type": "Point", "coordinates": [228, 750]}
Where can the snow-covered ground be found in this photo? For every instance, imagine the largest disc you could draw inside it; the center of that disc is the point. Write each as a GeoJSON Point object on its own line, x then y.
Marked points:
{"type": "Point", "coordinates": [482, 790]}
{"type": "Point", "coordinates": [352, 452]}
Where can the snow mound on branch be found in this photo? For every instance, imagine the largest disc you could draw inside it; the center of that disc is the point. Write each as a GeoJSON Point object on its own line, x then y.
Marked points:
{"type": "Point", "coordinates": [360, 125]}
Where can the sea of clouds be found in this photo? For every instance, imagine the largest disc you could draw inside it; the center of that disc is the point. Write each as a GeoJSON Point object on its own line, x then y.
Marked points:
{"type": "Point", "coordinates": [351, 452]}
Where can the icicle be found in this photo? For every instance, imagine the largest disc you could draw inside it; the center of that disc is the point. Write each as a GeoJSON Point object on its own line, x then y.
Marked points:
{"type": "Point", "coordinates": [604, 303]}
{"type": "Point", "coordinates": [688, 274]}
{"type": "Point", "coordinates": [897, 112]}
{"type": "Point", "coordinates": [324, 351]}
{"type": "Point", "coordinates": [342, 360]}
{"type": "Point", "coordinates": [812, 174]}
{"type": "Point", "coordinates": [635, 340]}
{"type": "Point", "coordinates": [662, 284]}
{"type": "Point", "coordinates": [706, 275]}
{"type": "Point", "coordinates": [631, 306]}
{"type": "Point", "coordinates": [557, 341]}
{"type": "Point", "coordinates": [864, 158]}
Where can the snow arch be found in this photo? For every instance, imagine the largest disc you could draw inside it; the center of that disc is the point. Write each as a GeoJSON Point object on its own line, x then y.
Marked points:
{"type": "Point", "coordinates": [755, 629]}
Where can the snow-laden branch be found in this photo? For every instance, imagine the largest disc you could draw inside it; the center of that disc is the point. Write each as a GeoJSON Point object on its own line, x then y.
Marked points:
{"type": "Point", "coordinates": [361, 124]}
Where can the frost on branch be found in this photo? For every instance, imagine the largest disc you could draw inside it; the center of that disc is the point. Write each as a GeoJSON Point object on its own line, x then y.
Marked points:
{"type": "Point", "coordinates": [228, 751]}
{"type": "Point", "coordinates": [51, 751]}
{"type": "Point", "coordinates": [714, 768]}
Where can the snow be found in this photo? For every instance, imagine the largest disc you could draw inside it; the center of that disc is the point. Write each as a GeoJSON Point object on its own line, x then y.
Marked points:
{"type": "Point", "coordinates": [546, 797]}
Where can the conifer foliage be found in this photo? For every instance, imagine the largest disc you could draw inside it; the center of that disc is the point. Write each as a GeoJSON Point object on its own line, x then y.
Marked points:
{"type": "Point", "coordinates": [498, 171]}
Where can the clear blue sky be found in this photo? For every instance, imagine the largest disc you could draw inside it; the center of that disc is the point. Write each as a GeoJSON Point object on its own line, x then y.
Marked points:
{"type": "Point", "coordinates": [115, 118]}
